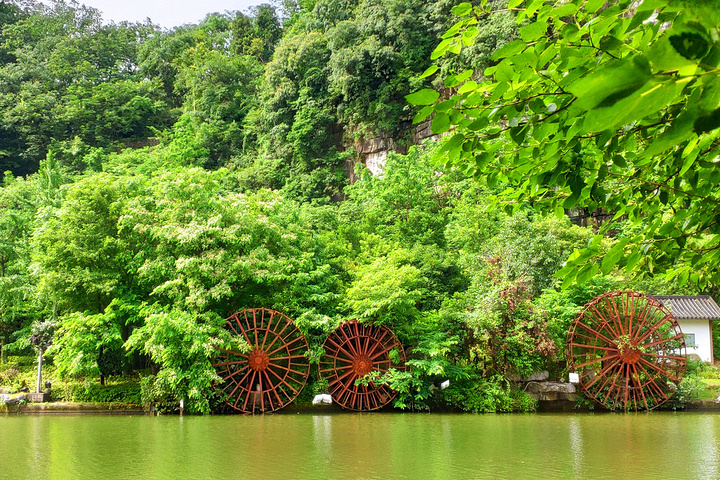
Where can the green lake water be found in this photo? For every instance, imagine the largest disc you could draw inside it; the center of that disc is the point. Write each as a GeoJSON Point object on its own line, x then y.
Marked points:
{"type": "Point", "coordinates": [362, 446]}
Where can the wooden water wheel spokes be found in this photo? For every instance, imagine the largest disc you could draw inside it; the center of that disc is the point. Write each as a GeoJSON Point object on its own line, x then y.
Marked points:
{"type": "Point", "coordinates": [628, 350]}
{"type": "Point", "coordinates": [353, 351]}
{"type": "Point", "coordinates": [273, 372]}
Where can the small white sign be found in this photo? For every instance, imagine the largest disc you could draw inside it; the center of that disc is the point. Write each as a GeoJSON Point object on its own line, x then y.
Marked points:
{"type": "Point", "coordinates": [445, 384]}
{"type": "Point", "coordinates": [574, 377]}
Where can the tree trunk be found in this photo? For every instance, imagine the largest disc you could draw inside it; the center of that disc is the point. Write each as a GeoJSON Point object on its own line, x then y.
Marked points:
{"type": "Point", "coordinates": [102, 376]}
{"type": "Point", "coordinates": [39, 377]}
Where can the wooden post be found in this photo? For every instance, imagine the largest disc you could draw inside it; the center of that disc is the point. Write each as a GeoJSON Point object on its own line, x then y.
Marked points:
{"type": "Point", "coordinates": [712, 343]}
{"type": "Point", "coordinates": [39, 375]}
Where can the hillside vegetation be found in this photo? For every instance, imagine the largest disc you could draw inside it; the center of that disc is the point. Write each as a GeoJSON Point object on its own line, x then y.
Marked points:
{"type": "Point", "coordinates": [158, 181]}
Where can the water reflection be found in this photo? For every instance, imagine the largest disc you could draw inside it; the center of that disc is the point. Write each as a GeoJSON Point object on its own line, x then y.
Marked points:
{"type": "Point", "coordinates": [705, 451]}
{"type": "Point", "coordinates": [363, 446]}
{"type": "Point", "coordinates": [576, 447]}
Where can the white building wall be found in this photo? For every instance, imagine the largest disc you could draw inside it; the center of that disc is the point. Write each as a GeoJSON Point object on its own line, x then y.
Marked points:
{"type": "Point", "coordinates": [703, 337]}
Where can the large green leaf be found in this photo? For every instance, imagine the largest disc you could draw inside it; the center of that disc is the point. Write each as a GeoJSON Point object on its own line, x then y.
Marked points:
{"type": "Point", "coordinates": [692, 45]}
{"type": "Point", "coordinates": [429, 71]}
{"type": "Point", "coordinates": [440, 123]}
{"type": "Point", "coordinates": [611, 82]}
{"type": "Point", "coordinates": [707, 123]}
{"type": "Point", "coordinates": [664, 57]}
{"type": "Point", "coordinates": [679, 130]}
{"type": "Point", "coordinates": [651, 98]}
{"type": "Point", "coordinates": [426, 96]}
{"type": "Point", "coordinates": [613, 256]}
{"type": "Point", "coordinates": [533, 31]}
{"type": "Point", "coordinates": [462, 9]}
{"type": "Point", "coordinates": [509, 49]}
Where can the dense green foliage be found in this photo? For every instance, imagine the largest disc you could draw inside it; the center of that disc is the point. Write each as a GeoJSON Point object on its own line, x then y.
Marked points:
{"type": "Point", "coordinates": [159, 181]}
{"type": "Point", "coordinates": [598, 106]}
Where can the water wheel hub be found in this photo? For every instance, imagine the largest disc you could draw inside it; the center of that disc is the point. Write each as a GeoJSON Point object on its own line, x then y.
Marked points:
{"type": "Point", "coordinates": [258, 360]}
{"type": "Point", "coordinates": [630, 355]}
{"type": "Point", "coordinates": [362, 365]}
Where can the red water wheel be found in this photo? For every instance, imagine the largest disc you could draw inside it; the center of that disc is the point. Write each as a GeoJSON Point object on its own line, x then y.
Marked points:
{"type": "Point", "coordinates": [354, 350]}
{"type": "Point", "coordinates": [628, 350]}
{"type": "Point", "coordinates": [273, 372]}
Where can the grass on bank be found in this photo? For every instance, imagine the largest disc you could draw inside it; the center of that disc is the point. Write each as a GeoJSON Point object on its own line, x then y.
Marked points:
{"type": "Point", "coordinates": [701, 382]}
{"type": "Point", "coordinates": [710, 390]}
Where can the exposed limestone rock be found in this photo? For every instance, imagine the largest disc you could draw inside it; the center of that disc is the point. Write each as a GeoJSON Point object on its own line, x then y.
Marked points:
{"type": "Point", "coordinates": [375, 145]}
{"type": "Point", "coordinates": [423, 132]}
{"type": "Point", "coordinates": [552, 391]}
{"type": "Point", "coordinates": [375, 162]}
{"type": "Point", "coordinates": [373, 151]}
{"type": "Point", "coordinates": [8, 399]}
{"type": "Point", "coordinates": [538, 376]}
{"type": "Point", "coordinates": [535, 377]}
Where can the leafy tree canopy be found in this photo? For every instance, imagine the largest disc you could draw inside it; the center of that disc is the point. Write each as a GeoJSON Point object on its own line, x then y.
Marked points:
{"type": "Point", "coordinates": [604, 106]}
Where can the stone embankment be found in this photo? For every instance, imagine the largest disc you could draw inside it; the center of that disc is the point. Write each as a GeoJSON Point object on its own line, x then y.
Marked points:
{"type": "Point", "coordinates": [66, 408]}
{"type": "Point", "coordinates": [38, 403]}
{"type": "Point", "coordinates": [555, 396]}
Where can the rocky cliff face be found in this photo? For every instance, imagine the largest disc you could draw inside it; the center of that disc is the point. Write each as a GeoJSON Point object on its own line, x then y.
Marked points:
{"type": "Point", "coordinates": [373, 151]}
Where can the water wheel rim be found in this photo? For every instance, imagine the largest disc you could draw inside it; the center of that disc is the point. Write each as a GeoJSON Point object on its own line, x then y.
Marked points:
{"type": "Point", "coordinates": [628, 350]}
{"type": "Point", "coordinates": [353, 350]}
{"type": "Point", "coordinates": [273, 372]}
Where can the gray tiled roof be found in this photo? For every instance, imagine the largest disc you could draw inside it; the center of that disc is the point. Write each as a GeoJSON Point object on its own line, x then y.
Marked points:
{"type": "Point", "coordinates": [686, 307]}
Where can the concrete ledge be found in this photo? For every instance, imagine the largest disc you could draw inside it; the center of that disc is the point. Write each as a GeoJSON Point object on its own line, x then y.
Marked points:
{"type": "Point", "coordinates": [38, 397]}
{"type": "Point", "coordinates": [78, 408]}
{"type": "Point", "coordinates": [698, 404]}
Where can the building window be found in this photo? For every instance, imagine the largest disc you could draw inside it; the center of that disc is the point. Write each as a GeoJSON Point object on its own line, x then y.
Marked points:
{"type": "Point", "coordinates": [690, 340]}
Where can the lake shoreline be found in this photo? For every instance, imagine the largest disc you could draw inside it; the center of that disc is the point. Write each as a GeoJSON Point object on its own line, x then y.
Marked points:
{"type": "Point", "coordinates": [72, 408]}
